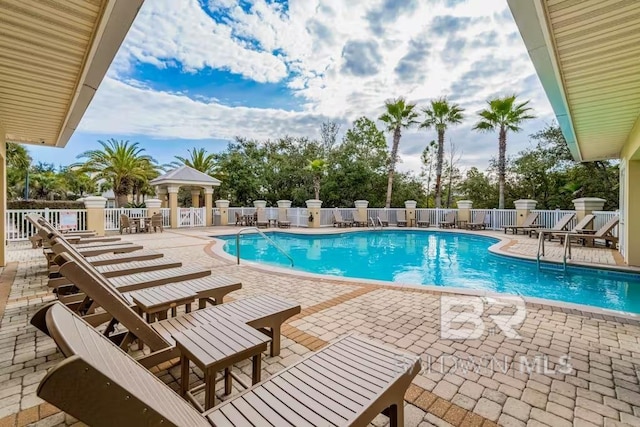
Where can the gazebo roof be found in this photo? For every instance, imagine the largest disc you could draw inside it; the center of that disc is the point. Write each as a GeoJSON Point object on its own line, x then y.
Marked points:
{"type": "Point", "coordinates": [185, 175]}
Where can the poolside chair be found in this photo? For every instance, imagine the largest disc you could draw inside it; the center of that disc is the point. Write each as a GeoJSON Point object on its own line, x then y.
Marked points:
{"type": "Point", "coordinates": [478, 221]}
{"type": "Point", "coordinates": [283, 219]}
{"type": "Point", "coordinates": [401, 218]}
{"type": "Point", "coordinates": [527, 224]}
{"type": "Point", "coordinates": [101, 385]}
{"type": "Point", "coordinates": [383, 218]}
{"type": "Point", "coordinates": [45, 228]}
{"type": "Point", "coordinates": [357, 221]}
{"type": "Point", "coordinates": [582, 225]}
{"type": "Point", "coordinates": [112, 259]}
{"type": "Point", "coordinates": [560, 225]}
{"type": "Point", "coordinates": [449, 220]}
{"type": "Point", "coordinates": [588, 236]}
{"type": "Point", "coordinates": [261, 218]}
{"type": "Point", "coordinates": [156, 222]}
{"type": "Point", "coordinates": [422, 219]}
{"type": "Point", "coordinates": [126, 224]}
{"type": "Point", "coordinates": [338, 221]}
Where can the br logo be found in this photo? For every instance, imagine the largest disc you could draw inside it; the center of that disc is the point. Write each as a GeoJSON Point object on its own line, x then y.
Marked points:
{"type": "Point", "coordinates": [463, 317]}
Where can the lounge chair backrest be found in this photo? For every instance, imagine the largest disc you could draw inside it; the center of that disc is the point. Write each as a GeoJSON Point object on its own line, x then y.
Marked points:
{"type": "Point", "coordinates": [479, 217]}
{"type": "Point", "coordinates": [337, 215]}
{"type": "Point", "coordinates": [382, 215]}
{"type": "Point", "coordinates": [563, 222]}
{"type": "Point", "coordinates": [584, 223]}
{"type": "Point", "coordinates": [356, 216]}
{"type": "Point", "coordinates": [401, 215]}
{"type": "Point", "coordinates": [124, 221]}
{"type": "Point", "coordinates": [450, 216]}
{"type": "Point", "coordinates": [605, 230]}
{"type": "Point", "coordinates": [283, 215]}
{"type": "Point", "coordinates": [262, 215]}
{"type": "Point", "coordinates": [90, 281]}
{"type": "Point", "coordinates": [530, 219]}
{"type": "Point", "coordinates": [109, 387]}
{"type": "Point", "coordinates": [156, 220]}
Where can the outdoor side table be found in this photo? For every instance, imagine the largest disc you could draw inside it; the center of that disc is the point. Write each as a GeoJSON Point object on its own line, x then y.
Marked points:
{"type": "Point", "coordinates": [216, 347]}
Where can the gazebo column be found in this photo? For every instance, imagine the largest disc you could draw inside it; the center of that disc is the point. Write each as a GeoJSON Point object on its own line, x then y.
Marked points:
{"type": "Point", "coordinates": [162, 195]}
{"type": "Point", "coordinates": [173, 205]}
{"type": "Point", "coordinates": [208, 206]}
{"type": "Point", "coordinates": [195, 198]}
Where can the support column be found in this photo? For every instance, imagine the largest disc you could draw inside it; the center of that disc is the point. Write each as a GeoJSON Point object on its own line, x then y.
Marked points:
{"type": "Point", "coordinates": [208, 206]}
{"type": "Point", "coordinates": [464, 210]}
{"type": "Point", "coordinates": [585, 206]}
{"type": "Point", "coordinates": [283, 205]}
{"type": "Point", "coordinates": [313, 206]}
{"type": "Point", "coordinates": [153, 206]}
{"type": "Point", "coordinates": [361, 207]}
{"type": "Point", "coordinates": [195, 198]}
{"type": "Point", "coordinates": [162, 195]}
{"type": "Point", "coordinates": [260, 204]}
{"type": "Point", "coordinates": [523, 209]}
{"type": "Point", "coordinates": [95, 213]}
{"type": "Point", "coordinates": [223, 205]}
{"type": "Point", "coordinates": [410, 207]}
{"type": "Point", "coordinates": [3, 196]}
{"type": "Point", "coordinates": [173, 206]}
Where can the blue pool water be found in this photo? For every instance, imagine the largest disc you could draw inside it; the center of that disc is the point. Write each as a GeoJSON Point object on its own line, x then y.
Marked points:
{"type": "Point", "coordinates": [441, 259]}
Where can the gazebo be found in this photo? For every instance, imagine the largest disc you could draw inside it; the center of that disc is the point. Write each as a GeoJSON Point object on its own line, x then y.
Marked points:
{"type": "Point", "coordinates": [167, 187]}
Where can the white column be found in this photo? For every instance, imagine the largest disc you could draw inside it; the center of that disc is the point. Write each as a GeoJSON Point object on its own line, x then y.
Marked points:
{"type": "Point", "coordinates": [586, 205]}
{"type": "Point", "coordinates": [208, 206]}
{"type": "Point", "coordinates": [464, 210]}
{"type": "Point", "coordinates": [361, 207]}
{"type": "Point", "coordinates": [313, 206]}
{"type": "Point", "coordinates": [95, 213]}
{"type": "Point", "coordinates": [523, 209]}
{"type": "Point", "coordinates": [173, 205]}
{"type": "Point", "coordinates": [410, 207]}
{"type": "Point", "coordinates": [153, 205]}
{"type": "Point", "coordinates": [260, 204]}
{"type": "Point", "coordinates": [223, 205]}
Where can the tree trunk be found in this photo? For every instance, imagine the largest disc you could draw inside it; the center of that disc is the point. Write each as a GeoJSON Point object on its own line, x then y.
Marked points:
{"type": "Point", "coordinates": [502, 164]}
{"type": "Point", "coordinates": [392, 164]}
{"type": "Point", "coordinates": [316, 187]}
{"type": "Point", "coordinates": [122, 200]}
{"type": "Point", "coordinates": [439, 168]}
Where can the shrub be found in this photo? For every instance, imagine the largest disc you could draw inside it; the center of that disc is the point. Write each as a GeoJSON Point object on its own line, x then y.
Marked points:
{"type": "Point", "coordinates": [42, 204]}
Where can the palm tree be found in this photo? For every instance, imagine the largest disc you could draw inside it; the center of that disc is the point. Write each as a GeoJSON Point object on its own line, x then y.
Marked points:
{"type": "Point", "coordinates": [439, 116]}
{"type": "Point", "coordinates": [399, 115]}
{"type": "Point", "coordinates": [200, 160]}
{"type": "Point", "coordinates": [503, 114]}
{"type": "Point", "coordinates": [318, 168]}
{"type": "Point", "coordinates": [121, 163]}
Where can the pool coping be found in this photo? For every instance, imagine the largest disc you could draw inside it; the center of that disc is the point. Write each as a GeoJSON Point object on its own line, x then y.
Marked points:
{"type": "Point", "coordinates": [216, 248]}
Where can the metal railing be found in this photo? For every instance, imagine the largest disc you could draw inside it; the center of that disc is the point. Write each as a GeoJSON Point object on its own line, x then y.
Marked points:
{"type": "Point", "coordinates": [270, 240]}
{"type": "Point", "coordinates": [566, 249]}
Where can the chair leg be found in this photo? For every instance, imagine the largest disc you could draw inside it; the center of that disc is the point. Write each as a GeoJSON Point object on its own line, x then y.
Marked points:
{"type": "Point", "coordinates": [396, 414]}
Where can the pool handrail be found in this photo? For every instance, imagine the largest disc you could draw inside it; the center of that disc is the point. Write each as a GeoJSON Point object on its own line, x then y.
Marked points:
{"type": "Point", "coordinates": [270, 240]}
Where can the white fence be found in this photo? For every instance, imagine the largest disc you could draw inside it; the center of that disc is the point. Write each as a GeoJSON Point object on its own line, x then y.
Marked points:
{"type": "Point", "coordinates": [191, 217]}
{"type": "Point", "coordinates": [18, 228]}
{"type": "Point", "coordinates": [299, 217]}
{"type": "Point", "coordinates": [112, 216]}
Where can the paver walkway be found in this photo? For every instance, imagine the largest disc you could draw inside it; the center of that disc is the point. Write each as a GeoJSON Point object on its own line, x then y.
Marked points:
{"type": "Point", "coordinates": [565, 368]}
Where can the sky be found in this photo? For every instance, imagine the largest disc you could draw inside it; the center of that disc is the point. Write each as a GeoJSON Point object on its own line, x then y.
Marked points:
{"type": "Point", "coordinates": [197, 73]}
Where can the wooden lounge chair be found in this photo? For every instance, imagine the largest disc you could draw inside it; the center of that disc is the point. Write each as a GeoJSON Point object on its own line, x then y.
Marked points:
{"type": "Point", "coordinates": [126, 224]}
{"type": "Point", "coordinates": [94, 250]}
{"type": "Point", "coordinates": [422, 219]}
{"type": "Point", "coordinates": [111, 259]}
{"type": "Point", "coordinates": [449, 220]}
{"type": "Point", "coordinates": [529, 223]}
{"type": "Point", "coordinates": [261, 220]}
{"type": "Point", "coordinates": [156, 222]}
{"type": "Point", "coordinates": [383, 218]}
{"type": "Point", "coordinates": [478, 221]}
{"type": "Point", "coordinates": [560, 225]}
{"type": "Point", "coordinates": [358, 221]}
{"type": "Point", "coordinates": [45, 229]}
{"type": "Point", "coordinates": [101, 385]}
{"type": "Point", "coordinates": [401, 218]}
{"type": "Point", "coordinates": [283, 220]}
{"type": "Point", "coordinates": [338, 221]}
{"type": "Point", "coordinates": [588, 236]}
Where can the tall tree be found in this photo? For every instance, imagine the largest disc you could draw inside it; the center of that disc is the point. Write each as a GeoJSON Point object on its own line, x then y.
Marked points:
{"type": "Point", "coordinates": [504, 114]}
{"type": "Point", "coordinates": [328, 134]}
{"type": "Point", "coordinates": [439, 115]}
{"type": "Point", "coordinates": [428, 156]}
{"type": "Point", "coordinates": [121, 163]}
{"type": "Point", "coordinates": [399, 115]}
{"type": "Point", "coordinates": [318, 169]}
{"type": "Point", "coordinates": [200, 160]}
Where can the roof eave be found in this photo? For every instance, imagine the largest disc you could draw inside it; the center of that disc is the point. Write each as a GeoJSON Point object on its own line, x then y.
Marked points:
{"type": "Point", "coordinates": [531, 19]}
{"type": "Point", "coordinates": [116, 20]}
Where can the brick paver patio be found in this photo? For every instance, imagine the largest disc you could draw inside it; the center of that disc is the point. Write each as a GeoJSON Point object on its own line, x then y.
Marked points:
{"type": "Point", "coordinates": [582, 367]}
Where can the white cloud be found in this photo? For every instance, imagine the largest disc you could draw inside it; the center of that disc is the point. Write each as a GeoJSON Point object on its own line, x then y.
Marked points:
{"type": "Point", "coordinates": [421, 49]}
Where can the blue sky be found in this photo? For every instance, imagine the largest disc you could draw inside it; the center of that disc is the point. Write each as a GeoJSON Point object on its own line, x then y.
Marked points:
{"type": "Point", "coordinates": [196, 73]}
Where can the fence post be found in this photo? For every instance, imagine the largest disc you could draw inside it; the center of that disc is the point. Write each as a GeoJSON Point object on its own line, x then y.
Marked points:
{"type": "Point", "coordinates": [223, 205]}
{"type": "Point", "coordinates": [314, 206]}
{"type": "Point", "coordinates": [95, 213]}
{"type": "Point", "coordinates": [585, 206]}
{"type": "Point", "coordinates": [523, 209]}
{"type": "Point", "coordinates": [410, 208]}
{"type": "Point", "coordinates": [464, 210]}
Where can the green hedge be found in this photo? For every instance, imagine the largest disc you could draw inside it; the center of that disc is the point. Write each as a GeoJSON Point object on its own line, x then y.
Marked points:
{"type": "Point", "coordinates": [43, 204]}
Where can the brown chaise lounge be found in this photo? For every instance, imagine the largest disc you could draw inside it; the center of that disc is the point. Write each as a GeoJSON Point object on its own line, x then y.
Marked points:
{"type": "Point", "coordinates": [383, 218]}
{"type": "Point", "coordinates": [338, 221]}
{"type": "Point", "coordinates": [478, 221]}
{"type": "Point", "coordinates": [358, 221]}
{"type": "Point", "coordinates": [560, 225]}
{"type": "Point", "coordinates": [589, 236]}
{"type": "Point", "coordinates": [347, 383]}
{"type": "Point", "coordinates": [529, 222]}
{"type": "Point", "coordinates": [283, 220]}
{"type": "Point", "coordinates": [45, 228]}
{"type": "Point", "coordinates": [449, 220]}
{"type": "Point", "coordinates": [423, 219]}
{"type": "Point", "coordinates": [401, 218]}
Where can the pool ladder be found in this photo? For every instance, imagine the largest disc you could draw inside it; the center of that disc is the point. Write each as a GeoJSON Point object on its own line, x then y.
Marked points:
{"type": "Point", "coordinates": [269, 239]}
{"type": "Point", "coordinates": [373, 223]}
{"type": "Point", "coordinates": [566, 250]}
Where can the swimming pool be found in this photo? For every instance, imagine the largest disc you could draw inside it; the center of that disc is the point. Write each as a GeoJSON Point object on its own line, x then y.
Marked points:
{"type": "Point", "coordinates": [441, 259]}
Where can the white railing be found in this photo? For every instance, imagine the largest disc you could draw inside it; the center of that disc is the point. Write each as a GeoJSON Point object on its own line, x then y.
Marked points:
{"type": "Point", "coordinates": [112, 216]}
{"type": "Point", "coordinates": [18, 228]}
{"type": "Point", "coordinates": [549, 218]}
{"type": "Point", "coordinates": [166, 217]}
{"type": "Point", "coordinates": [327, 215]}
{"type": "Point", "coordinates": [499, 218]}
{"type": "Point", "coordinates": [191, 217]}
